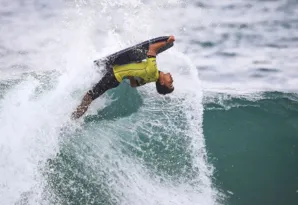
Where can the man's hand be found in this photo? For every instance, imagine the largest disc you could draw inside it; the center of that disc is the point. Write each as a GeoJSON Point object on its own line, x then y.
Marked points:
{"type": "Point", "coordinates": [171, 39]}
{"type": "Point", "coordinates": [133, 82]}
{"type": "Point", "coordinates": [153, 48]}
{"type": "Point", "coordinates": [136, 81]}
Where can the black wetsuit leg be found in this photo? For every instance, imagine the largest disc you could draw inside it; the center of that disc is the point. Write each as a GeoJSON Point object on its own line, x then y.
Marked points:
{"type": "Point", "coordinates": [108, 81]}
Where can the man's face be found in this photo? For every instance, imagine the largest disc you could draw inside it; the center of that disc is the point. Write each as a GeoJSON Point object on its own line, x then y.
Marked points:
{"type": "Point", "coordinates": [167, 80]}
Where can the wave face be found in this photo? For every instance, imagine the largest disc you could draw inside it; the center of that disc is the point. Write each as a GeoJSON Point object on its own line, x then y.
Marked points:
{"type": "Point", "coordinates": [134, 147]}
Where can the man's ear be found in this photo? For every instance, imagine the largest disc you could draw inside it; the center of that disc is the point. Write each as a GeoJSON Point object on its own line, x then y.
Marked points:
{"type": "Point", "coordinates": [161, 81]}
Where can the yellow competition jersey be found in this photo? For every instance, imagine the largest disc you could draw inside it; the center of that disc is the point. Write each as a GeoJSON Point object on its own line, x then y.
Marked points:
{"type": "Point", "coordinates": [146, 70]}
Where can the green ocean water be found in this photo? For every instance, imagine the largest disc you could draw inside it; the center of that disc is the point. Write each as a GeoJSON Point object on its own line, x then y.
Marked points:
{"type": "Point", "coordinates": [125, 146]}
{"type": "Point", "coordinates": [251, 142]}
{"type": "Point", "coordinates": [253, 145]}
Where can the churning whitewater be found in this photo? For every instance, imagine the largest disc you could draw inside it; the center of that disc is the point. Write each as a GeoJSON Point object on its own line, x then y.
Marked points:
{"type": "Point", "coordinates": [133, 147]}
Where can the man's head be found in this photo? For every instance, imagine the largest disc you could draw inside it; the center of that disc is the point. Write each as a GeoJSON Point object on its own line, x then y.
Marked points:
{"type": "Point", "coordinates": [164, 84]}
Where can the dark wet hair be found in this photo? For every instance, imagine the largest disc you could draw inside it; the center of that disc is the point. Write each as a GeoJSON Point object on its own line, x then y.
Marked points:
{"type": "Point", "coordinates": [162, 89]}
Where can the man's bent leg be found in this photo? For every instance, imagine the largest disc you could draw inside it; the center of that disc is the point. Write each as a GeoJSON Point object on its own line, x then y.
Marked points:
{"type": "Point", "coordinates": [82, 108]}
{"type": "Point", "coordinates": [107, 82]}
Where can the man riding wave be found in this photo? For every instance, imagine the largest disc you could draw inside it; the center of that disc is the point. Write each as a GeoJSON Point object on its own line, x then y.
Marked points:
{"type": "Point", "coordinates": [137, 73]}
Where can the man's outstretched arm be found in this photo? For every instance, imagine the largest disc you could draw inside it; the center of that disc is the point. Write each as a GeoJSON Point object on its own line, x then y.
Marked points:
{"type": "Point", "coordinates": [135, 81]}
{"type": "Point", "coordinates": [153, 48]}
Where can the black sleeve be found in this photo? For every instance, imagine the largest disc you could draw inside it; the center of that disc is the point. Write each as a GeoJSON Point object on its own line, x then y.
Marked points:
{"type": "Point", "coordinates": [139, 81]}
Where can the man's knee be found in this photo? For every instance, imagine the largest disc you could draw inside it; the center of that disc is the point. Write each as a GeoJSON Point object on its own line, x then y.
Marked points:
{"type": "Point", "coordinates": [92, 94]}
